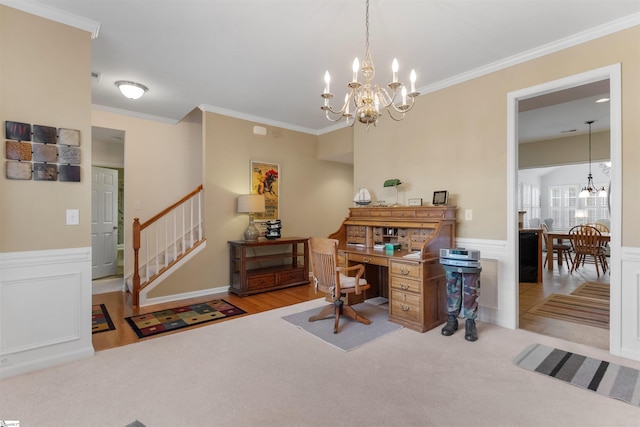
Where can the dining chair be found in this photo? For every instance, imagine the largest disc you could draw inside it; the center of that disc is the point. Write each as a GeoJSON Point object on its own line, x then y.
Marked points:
{"type": "Point", "coordinates": [587, 247]}
{"type": "Point", "coordinates": [328, 277]}
{"type": "Point", "coordinates": [560, 250]}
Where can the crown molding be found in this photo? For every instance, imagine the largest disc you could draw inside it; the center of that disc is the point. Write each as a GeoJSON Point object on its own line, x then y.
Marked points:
{"type": "Point", "coordinates": [53, 14]}
{"type": "Point", "coordinates": [555, 46]}
{"type": "Point", "coordinates": [255, 119]}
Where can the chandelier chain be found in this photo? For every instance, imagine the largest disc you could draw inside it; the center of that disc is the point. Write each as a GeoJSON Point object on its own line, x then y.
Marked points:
{"type": "Point", "coordinates": [367, 28]}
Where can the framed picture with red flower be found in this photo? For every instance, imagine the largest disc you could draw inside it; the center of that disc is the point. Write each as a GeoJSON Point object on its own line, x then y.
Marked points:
{"type": "Point", "coordinates": [265, 179]}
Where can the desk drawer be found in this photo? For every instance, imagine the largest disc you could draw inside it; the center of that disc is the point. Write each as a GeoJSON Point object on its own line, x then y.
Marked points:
{"type": "Point", "coordinates": [406, 269]}
{"type": "Point", "coordinates": [405, 284]}
{"type": "Point", "coordinates": [405, 305]}
{"type": "Point", "coordinates": [292, 276]}
{"type": "Point", "coordinates": [261, 281]}
{"type": "Point", "coordinates": [368, 259]}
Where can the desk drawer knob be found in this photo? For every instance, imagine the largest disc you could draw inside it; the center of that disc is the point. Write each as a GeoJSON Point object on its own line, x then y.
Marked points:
{"type": "Point", "coordinates": [403, 286]}
{"type": "Point", "coordinates": [405, 307]}
{"type": "Point", "coordinates": [404, 271]}
{"type": "Point", "coordinates": [366, 259]}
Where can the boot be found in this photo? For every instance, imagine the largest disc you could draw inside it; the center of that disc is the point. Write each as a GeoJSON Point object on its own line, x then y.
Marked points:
{"type": "Point", "coordinates": [451, 326]}
{"type": "Point", "coordinates": [471, 333]}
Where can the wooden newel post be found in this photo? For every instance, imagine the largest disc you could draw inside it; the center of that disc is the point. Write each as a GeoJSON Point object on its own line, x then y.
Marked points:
{"type": "Point", "coordinates": [136, 265]}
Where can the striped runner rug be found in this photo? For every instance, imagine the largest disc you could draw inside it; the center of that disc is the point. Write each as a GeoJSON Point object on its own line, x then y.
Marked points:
{"type": "Point", "coordinates": [593, 290]}
{"type": "Point", "coordinates": [608, 379]}
{"type": "Point", "coordinates": [577, 309]}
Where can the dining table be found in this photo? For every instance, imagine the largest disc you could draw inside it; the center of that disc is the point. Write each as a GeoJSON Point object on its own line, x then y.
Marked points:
{"type": "Point", "coordinates": [560, 235]}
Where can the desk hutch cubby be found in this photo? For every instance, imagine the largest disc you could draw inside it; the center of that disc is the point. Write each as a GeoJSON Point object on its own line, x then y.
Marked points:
{"type": "Point", "coordinates": [411, 277]}
{"type": "Point", "coordinates": [266, 265]}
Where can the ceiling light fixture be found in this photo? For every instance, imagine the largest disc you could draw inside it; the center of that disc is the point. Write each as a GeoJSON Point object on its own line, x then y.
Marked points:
{"type": "Point", "coordinates": [131, 90]}
{"type": "Point", "coordinates": [590, 189]}
{"type": "Point", "coordinates": [369, 99]}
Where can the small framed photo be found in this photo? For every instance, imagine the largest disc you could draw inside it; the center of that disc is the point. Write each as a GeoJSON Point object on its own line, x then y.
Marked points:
{"type": "Point", "coordinates": [440, 198]}
{"type": "Point", "coordinates": [415, 202]}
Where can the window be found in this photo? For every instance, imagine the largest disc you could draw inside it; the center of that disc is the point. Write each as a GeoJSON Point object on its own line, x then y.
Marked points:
{"type": "Point", "coordinates": [529, 201]}
{"type": "Point", "coordinates": [567, 209]}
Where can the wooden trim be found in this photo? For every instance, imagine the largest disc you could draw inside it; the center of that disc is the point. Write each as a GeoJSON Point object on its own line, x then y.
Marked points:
{"type": "Point", "coordinates": [170, 208]}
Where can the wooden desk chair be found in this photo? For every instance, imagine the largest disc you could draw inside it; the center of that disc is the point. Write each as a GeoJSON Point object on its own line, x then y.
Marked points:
{"type": "Point", "coordinates": [587, 247]}
{"type": "Point", "coordinates": [561, 250]}
{"type": "Point", "coordinates": [328, 278]}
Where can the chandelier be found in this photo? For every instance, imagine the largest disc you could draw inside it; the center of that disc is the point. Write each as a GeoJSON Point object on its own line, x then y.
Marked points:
{"type": "Point", "coordinates": [369, 99]}
{"type": "Point", "coordinates": [590, 189]}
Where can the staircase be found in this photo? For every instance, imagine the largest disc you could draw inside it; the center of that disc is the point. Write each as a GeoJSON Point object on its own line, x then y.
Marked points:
{"type": "Point", "coordinates": [164, 242]}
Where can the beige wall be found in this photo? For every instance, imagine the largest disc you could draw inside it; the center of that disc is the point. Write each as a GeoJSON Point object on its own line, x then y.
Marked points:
{"type": "Point", "coordinates": [45, 72]}
{"type": "Point", "coordinates": [564, 151]}
{"type": "Point", "coordinates": [336, 146]}
{"type": "Point", "coordinates": [314, 194]}
{"type": "Point", "coordinates": [456, 139]}
{"type": "Point", "coordinates": [163, 162]}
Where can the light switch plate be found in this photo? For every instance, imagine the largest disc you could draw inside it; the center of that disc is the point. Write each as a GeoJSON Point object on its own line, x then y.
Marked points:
{"type": "Point", "coordinates": [73, 217]}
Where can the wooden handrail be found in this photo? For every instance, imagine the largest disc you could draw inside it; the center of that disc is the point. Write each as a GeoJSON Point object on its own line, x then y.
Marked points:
{"type": "Point", "coordinates": [169, 209]}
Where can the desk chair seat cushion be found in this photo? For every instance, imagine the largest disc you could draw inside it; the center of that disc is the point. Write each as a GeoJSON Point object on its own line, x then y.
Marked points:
{"type": "Point", "coordinates": [347, 282]}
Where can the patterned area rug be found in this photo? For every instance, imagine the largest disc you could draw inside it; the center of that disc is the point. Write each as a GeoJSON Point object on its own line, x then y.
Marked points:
{"type": "Point", "coordinates": [100, 319]}
{"type": "Point", "coordinates": [158, 322]}
{"type": "Point", "coordinates": [593, 290]}
{"type": "Point", "coordinates": [608, 379]}
{"type": "Point", "coordinates": [585, 310]}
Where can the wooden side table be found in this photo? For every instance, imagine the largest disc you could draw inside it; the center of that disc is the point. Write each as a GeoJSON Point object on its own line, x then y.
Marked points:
{"type": "Point", "coordinates": [267, 265]}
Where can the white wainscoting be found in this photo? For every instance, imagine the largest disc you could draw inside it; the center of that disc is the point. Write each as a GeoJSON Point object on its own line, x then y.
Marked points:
{"type": "Point", "coordinates": [628, 298]}
{"type": "Point", "coordinates": [45, 309]}
{"type": "Point", "coordinates": [494, 299]}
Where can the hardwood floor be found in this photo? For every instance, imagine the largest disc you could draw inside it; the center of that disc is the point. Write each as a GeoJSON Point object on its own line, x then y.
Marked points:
{"type": "Point", "coordinates": [559, 281]}
{"type": "Point", "coordinates": [119, 306]}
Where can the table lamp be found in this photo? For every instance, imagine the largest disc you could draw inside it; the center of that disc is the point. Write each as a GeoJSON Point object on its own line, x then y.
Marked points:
{"type": "Point", "coordinates": [251, 203]}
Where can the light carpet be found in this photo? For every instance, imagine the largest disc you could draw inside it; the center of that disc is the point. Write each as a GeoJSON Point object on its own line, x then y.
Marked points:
{"type": "Point", "coordinates": [351, 334]}
{"type": "Point", "coordinates": [605, 378]}
{"type": "Point", "coordinates": [260, 371]}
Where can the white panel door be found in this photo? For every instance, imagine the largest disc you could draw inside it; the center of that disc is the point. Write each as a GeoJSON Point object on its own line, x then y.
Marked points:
{"type": "Point", "coordinates": [104, 222]}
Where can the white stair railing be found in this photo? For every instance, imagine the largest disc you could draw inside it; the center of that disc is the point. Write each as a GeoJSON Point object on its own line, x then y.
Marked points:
{"type": "Point", "coordinates": [162, 249]}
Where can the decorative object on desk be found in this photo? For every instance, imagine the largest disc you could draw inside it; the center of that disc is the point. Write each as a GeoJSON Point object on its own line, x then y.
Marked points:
{"type": "Point", "coordinates": [352, 334]}
{"type": "Point", "coordinates": [158, 322]}
{"type": "Point", "coordinates": [393, 183]}
{"type": "Point", "coordinates": [368, 98]}
{"type": "Point", "coordinates": [415, 202]}
{"type": "Point", "coordinates": [590, 190]}
{"type": "Point", "coordinates": [273, 229]}
{"type": "Point", "coordinates": [440, 198]}
{"type": "Point", "coordinates": [362, 197]}
{"type": "Point", "coordinates": [251, 204]}
{"type": "Point", "coordinates": [605, 378]}
{"type": "Point", "coordinates": [265, 180]}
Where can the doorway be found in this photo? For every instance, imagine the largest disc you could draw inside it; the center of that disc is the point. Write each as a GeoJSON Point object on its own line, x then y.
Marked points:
{"type": "Point", "coordinates": [612, 74]}
{"type": "Point", "coordinates": [107, 158]}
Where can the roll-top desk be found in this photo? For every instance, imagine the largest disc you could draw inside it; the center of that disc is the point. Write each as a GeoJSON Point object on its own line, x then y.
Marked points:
{"type": "Point", "coordinates": [415, 286]}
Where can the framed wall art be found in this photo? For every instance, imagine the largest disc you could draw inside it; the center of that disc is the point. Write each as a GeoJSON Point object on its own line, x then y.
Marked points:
{"type": "Point", "coordinates": [440, 198]}
{"type": "Point", "coordinates": [265, 179]}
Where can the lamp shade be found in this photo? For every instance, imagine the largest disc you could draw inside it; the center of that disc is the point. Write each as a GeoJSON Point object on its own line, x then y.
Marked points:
{"type": "Point", "coordinates": [250, 203]}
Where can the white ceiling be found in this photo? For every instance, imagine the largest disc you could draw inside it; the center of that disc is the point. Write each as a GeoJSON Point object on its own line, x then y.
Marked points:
{"type": "Point", "coordinates": [264, 60]}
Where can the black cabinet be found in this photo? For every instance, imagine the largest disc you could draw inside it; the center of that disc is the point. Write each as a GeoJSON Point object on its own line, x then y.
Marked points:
{"type": "Point", "coordinates": [530, 256]}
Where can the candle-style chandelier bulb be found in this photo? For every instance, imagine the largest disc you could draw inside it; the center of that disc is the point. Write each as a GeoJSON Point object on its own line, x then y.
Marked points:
{"type": "Point", "coordinates": [369, 99]}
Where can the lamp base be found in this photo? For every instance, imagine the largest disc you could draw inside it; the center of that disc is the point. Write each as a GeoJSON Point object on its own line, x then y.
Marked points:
{"type": "Point", "coordinates": [251, 234]}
